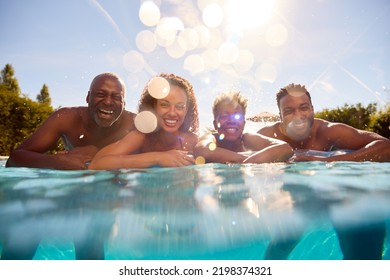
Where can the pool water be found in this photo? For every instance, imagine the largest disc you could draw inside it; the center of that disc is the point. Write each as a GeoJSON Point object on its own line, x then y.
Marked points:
{"type": "Point", "coordinates": [211, 211]}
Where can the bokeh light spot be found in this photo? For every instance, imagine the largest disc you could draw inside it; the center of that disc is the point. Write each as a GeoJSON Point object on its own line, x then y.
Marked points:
{"type": "Point", "coordinates": [295, 93]}
{"type": "Point", "coordinates": [249, 13]}
{"type": "Point", "coordinates": [221, 137]}
{"type": "Point", "coordinates": [168, 27]}
{"type": "Point", "coordinates": [188, 39]}
{"type": "Point", "coordinates": [145, 122]}
{"type": "Point", "coordinates": [149, 13]}
{"type": "Point", "coordinates": [175, 50]}
{"type": "Point", "coordinates": [212, 15]}
{"type": "Point", "coordinates": [204, 35]}
{"type": "Point", "coordinates": [212, 146]}
{"type": "Point", "coordinates": [200, 160]}
{"type": "Point", "coordinates": [228, 53]}
{"type": "Point", "coordinates": [266, 72]}
{"type": "Point", "coordinates": [244, 61]}
{"type": "Point", "coordinates": [276, 35]}
{"type": "Point", "coordinates": [210, 58]}
{"type": "Point", "coordinates": [194, 64]}
{"type": "Point", "coordinates": [158, 87]}
{"type": "Point", "coordinates": [133, 61]}
{"type": "Point", "coordinates": [146, 41]}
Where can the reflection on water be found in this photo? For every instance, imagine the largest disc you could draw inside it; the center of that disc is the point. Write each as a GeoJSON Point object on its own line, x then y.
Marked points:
{"type": "Point", "coordinates": [212, 211]}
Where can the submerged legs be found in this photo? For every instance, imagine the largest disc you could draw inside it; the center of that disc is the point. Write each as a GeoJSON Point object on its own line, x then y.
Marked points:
{"type": "Point", "coordinates": [363, 243]}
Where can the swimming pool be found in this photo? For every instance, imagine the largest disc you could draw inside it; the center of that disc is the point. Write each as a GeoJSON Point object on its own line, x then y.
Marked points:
{"type": "Point", "coordinates": [212, 211]}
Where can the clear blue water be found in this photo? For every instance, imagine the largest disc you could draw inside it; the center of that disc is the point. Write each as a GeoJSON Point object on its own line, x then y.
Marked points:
{"type": "Point", "coordinates": [213, 211]}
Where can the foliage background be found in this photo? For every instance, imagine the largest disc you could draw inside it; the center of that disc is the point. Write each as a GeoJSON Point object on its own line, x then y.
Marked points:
{"type": "Point", "coordinates": [20, 116]}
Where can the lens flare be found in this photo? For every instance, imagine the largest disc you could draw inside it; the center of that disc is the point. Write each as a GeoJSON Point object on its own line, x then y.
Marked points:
{"type": "Point", "coordinates": [194, 64]}
{"type": "Point", "coordinates": [145, 122]}
{"type": "Point", "coordinates": [228, 53]}
{"type": "Point", "coordinates": [212, 146]}
{"type": "Point", "coordinates": [146, 41]}
{"type": "Point", "coordinates": [266, 72]}
{"type": "Point", "coordinates": [276, 35]}
{"type": "Point", "coordinates": [212, 15]}
{"type": "Point", "coordinates": [200, 160]}
{"type": "Point", "coordinates": [133, 61]}
{"type": "Point", "coordinates": [158, 87]}
{"type": "Point", "coordinates": [244, 61]}
{"type": "Point", "coordinates": [149, 13]}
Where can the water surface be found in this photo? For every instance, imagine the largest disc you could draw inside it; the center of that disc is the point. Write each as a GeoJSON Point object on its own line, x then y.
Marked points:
{"type": "Point", "coordinates": [212, 211]}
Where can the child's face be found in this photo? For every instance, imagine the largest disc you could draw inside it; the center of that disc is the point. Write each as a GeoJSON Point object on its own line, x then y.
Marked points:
{"type": "Point", "coordinates": [230, 121]}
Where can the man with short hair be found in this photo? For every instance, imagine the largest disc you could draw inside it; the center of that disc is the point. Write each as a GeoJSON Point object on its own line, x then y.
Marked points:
{"type": "Point", "coordinates": [302, 131]}
{"type": "Point", "coordinates": [316, 139]}
{"type": "Point", "coordinates": [83, 130]}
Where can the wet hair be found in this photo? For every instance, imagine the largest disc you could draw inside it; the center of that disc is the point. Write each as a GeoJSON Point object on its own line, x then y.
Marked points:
{"type": "Point", "coordinates": [109, 75]}
{"type": "Point", "coordinates": [229, 97]}
{"type": "Point", "coordinates": [191, 120]}
{"type": "Point", "coordinates": [289, 88]}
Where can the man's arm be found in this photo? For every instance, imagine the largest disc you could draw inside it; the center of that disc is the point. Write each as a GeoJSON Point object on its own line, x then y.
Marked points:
{"type": "Point", "coordinates": [366, 145]}
{"type": "Point", "coordinates": [33, 151]}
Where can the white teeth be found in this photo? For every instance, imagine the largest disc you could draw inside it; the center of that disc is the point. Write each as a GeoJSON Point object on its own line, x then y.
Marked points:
{"type": "Point", "coordinates": [299, 124]}
{"type": "Point", "coordinates": [231, 130]}
{"type": "Point", "coordinates": [171, 121]}
{"type": "Point", "coordinates": [106, 111]}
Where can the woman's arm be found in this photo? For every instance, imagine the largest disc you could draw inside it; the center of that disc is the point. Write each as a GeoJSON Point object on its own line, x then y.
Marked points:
{"type": "Point", "coordinates": [124, 154]}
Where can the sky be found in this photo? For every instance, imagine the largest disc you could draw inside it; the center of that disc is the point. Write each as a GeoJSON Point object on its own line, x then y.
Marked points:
{"type": "Point", "coordinates": [340, 50]}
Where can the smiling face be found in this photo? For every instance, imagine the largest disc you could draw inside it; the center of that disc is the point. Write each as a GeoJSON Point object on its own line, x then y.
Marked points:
{"type": "Point", "coordinates": [297, 115]}
{"type": "Point", "coordinates": [230, 121]}
{"type": "Point", "coordinates": [106, 99]}
{"type": "Point", "coordinates": [171, 110]}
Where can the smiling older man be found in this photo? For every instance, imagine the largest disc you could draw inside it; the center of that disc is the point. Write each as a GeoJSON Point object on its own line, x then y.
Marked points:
{"type": "Point", "coordinates": [84, 130]}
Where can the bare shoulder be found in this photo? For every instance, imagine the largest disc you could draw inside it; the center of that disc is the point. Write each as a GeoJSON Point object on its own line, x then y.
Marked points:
{"type": "Point", "coordinates": [66, 116]}
{"type": "Point", "coordinates": [128, 114]}
{"type": "Point", "coordinates": [70, 112]}
{"type": "Point", "coordinates": [127, 120]}
{"type": "Point", "coordinates": [269, 130]}
{"type": "Point", "coordinates": [326, 127]}
{"type": "Point", "coordinates": [336, 130]}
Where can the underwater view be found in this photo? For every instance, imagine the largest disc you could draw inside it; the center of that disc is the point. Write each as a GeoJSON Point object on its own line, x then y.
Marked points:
{"type": "Point", "coordinates": [298, 211]}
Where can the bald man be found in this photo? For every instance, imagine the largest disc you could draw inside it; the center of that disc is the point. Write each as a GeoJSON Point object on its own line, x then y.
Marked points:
{"type": "Point", "coordinates": [83, 130]}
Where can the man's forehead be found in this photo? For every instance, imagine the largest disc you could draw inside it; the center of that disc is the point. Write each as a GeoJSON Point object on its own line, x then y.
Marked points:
{"type": "Point", "coordinates": [107, 81]}
{"type": "Point", "coordinates": [295, 97]}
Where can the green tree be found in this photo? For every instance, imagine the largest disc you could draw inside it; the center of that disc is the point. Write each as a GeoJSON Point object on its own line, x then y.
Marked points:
{"type": "Point", "coordinates": [20, 116]}
{"type": "Point", "coordinates": [8, 79]}
{"type": "Point", "coordinates": [44, 96]}
{"type": "Point", "coordinates": [356, 116]}
{"type": "Point", "coordinates": [380, 123]}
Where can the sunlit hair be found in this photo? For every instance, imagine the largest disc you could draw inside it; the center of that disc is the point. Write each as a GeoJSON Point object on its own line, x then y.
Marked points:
{"type": "Point", "coordinates": [191, 121]}
{"type": "Point", "coordinates": [229, 98]}
{"type": "Point", "coordinates": [108, 75]}
{"type": "Point", "coordinates": [290, 88]}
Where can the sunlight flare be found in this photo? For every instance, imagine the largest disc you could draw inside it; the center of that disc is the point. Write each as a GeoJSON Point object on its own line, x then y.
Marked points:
{"type": "Point", "coordinates": [249, 13]}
